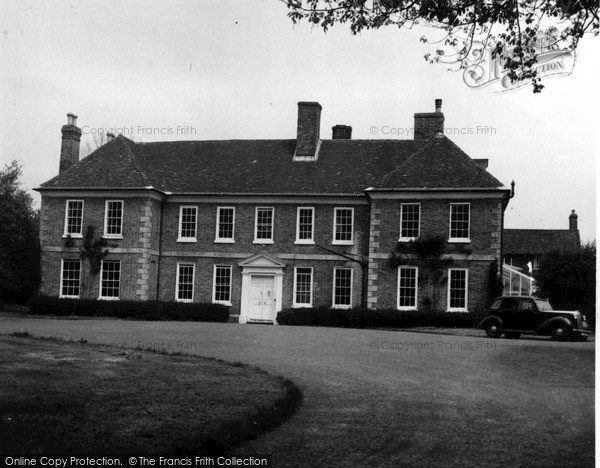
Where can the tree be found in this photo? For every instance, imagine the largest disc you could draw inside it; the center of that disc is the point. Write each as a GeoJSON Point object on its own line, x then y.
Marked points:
{"type": "Point", "coordinates": [569, 280]}
{"type": "Point", "coordinates": [94, 249]}
{"type": "Point", "coordinates": [95, 141]}
{"type": "Point", "coordinates": [516, 31]}
{"type": "Point", "coordinates": [19, 248]}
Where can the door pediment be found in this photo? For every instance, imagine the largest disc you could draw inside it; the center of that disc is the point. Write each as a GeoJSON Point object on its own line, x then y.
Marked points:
{"type": "Point", "coordinates": [262, 260]}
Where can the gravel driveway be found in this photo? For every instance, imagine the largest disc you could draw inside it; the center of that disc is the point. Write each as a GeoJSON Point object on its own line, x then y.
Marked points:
{"type": "Point", "coordinates": [383, 398]}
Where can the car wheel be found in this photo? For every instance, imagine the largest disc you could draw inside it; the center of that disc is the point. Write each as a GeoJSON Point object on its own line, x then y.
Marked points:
{"type": "Point", "coordinates": [494, 330]}
{"type": "Point", "coordinates": [512, 335]}
{"type": "Point", "coordinates": [560, 333]}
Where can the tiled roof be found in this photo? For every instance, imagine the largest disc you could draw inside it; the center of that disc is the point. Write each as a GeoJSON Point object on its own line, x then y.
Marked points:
{"type": "Point", "coordinates": [539, 241]}
{"type": "Point", "coordinates": [113, 165]}
{"type": "Point", "coordinates": [267, 167]}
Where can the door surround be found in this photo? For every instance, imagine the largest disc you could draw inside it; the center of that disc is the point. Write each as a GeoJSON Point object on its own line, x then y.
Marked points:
{"type": "Point", "coordinates": [261, 264]}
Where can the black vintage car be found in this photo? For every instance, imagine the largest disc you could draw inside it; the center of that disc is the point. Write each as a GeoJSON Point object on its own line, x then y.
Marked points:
{"type": "Point", "coordinates": [515, 315]}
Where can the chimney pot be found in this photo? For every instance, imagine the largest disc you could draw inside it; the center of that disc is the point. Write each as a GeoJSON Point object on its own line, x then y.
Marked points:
{"type": "Point", "coordinates": [341, 132]}
{"type": "Point", "coordinates": [438, 105]}
{"type": "Point", "coordinates": [69, 149]}
{"type": "Point", "coordinates": [573, 221]}
{"type": "Point", "coordinates": [110, 136]}
{"type": "Point", "coordinates": [309, 127]}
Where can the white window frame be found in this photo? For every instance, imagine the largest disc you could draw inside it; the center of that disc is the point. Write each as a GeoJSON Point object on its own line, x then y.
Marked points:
{"type": "Point", "coordinates": [177, 283]}
{"type": "Point", "coordinates": [214, 291]}
{"type": "Point", "coordinates": [271, 239]}
{"type": "Point", "coordinates": [343, 306]}
{"type": "Point", "coordinates": [62, 277]}
{"type": "Point", "coordinates": [225, 240]}
{"type": "Point", "coordinates": [303, 304]}
{"type": "Point", "coordinates": [106, 234]}
{"type": "Point", "coordinates": [335, 226]}
{"type": "Point", "coordinates": [66, 232]}
{"type": "Point", "coordinates": [311, 240]}
{"type": "Point", "coordinates": [407, 239]}
{"type": "Point", "coordinates": [458, 309]}
{"type": "Point", "coordinates": [110, 298]}
{"type": "Point", "coordinates": [194, 238]}
{"type": "Point", "coordinates": [416, 270]}
{"type": "Point", "coordinates": [459, 239]}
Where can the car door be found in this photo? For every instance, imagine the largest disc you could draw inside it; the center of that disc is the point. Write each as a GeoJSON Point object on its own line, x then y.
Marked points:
{"type": "Point", "coordinates": [508, 312]}
{"type": "Point", "coordinates": [527, 316]}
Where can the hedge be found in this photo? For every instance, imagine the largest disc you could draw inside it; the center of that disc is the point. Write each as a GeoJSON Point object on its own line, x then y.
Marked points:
{"type": "Point", "coordinates": [366, 318]}
{"type": "Point", "coordinates": [143, 310]}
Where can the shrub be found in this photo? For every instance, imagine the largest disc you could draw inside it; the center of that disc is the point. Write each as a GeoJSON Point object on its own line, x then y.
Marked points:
{"type": "Point", "coordinates": [367, 318]}
{"type": "Point", "coordinates": [146, 310]}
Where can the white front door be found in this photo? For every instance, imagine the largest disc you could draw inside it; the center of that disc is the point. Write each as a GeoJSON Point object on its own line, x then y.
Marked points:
{"type": "Point", "coordinates": [262, 295]}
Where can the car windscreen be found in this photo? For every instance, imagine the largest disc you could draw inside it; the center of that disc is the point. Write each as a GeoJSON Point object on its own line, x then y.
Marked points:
{"type": "Point", "coordinates": [543, 305]}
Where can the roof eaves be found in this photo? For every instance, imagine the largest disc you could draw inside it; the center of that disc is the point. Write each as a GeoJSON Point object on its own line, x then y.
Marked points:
{"type": "Point", "coordinates": [99, 189]}
{"type": "Point", "coordinates": [267, 194]}
{"type": "Point", "coordinates": [438, 189]}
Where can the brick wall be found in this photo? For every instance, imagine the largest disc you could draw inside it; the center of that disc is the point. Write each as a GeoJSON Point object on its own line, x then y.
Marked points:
{"type": "Point", "coordinates": [376, 232]}
{"type": "Point", "coordinates": [284, 229]}
{"type": "Point", "coordinates": [427, 125]}
{"type": "Point", "coordinates": [476, 256]}
{"type": "Point", "coordinates": [137, 250]}
{"type": "Point", "coordinates": [323, 276]}
{"type": "Point", "coordinates": [206, 253]}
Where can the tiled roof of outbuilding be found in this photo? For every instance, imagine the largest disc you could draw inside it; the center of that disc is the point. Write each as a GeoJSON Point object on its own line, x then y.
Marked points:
{"type": "Point", "coordinates": [539, 241]}
{"type": "Point", "coordinates": [267, 167]}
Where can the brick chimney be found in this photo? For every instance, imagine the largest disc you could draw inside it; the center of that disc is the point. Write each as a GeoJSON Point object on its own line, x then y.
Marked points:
{"type": "Point", "coordinates": [341, 132]}
{"type": "Point", "coordinates": [573, 221]}
{"type": "Point", "coordinates": [309, 125]}
{"type": "Point", "coordinates": [69, 149]}
{"type": "Point", "coordinates": [430, 124]}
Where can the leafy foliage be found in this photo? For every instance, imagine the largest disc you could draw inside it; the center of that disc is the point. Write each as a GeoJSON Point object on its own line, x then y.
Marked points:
{"type": "Point", "coordinates": [568, 280]}
{"type": "Point", "coordinates": [367, 318]}
{"type": "Point", "coordinates": [142, 310]}
{"type": "Point", "coordinates": [19, 248]}
{"type": "Point", "coordinates": [429, 255]}
{"type": "Point", "coordinates": [511, 28]}
{"type": "Point", "coordinates": [94, 249]}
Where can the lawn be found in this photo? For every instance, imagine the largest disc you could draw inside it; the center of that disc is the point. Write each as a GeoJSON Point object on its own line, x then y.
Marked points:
{"type": "Point", "coordinates": [75, 398]}
{"type": "Point", "coordinates": [386, 398]}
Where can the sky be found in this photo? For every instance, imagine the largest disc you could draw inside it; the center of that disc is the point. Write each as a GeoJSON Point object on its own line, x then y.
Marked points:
{"type": "Point", "coordinates": [230, 69]}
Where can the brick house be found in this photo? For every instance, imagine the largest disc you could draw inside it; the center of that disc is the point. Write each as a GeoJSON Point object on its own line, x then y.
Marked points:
{"type": "Point", "coordinates": [262, 225]}
{"type": "Point", "coordinates": [523, 248]}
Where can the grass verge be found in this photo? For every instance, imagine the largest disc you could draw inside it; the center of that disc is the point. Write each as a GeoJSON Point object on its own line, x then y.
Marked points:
{"type": "Point", "coordinates": [72, 397]}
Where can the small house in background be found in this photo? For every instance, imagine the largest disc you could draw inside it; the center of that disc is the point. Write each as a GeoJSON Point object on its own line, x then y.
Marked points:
{"type": "Point", "coordinates": [524, 248]}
